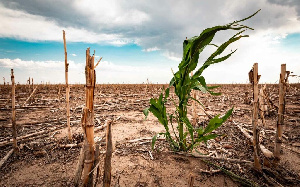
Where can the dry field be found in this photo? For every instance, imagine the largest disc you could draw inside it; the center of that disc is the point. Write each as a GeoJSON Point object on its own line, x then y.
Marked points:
{"type": "Point", "coordinates": [45, 159]}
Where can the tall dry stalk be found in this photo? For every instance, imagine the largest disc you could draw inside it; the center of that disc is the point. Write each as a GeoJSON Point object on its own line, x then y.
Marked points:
{"type": "Point", "coordinates": [88, 156]}
{"type": "Point", "coordinates": [88, 119]}
{"type": "Point", "coordinates": [13, 106]}
{"type": "Point", "coordinates": [281, 110]}
{"type": "Point", "coordinates": [254, 78]}
{"type": "Point", "coordinates": [67, 87]}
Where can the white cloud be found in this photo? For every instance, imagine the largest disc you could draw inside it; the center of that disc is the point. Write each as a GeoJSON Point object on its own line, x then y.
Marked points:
{"type": "Point", "coordinates": [151, 49]}
{"type": "Point", "coordinates": [135, 17]}
{"type": "Point", "coordinates": [172, 56]}
{"type": "Point", "coordinates": [73, 54]}
{"type": "Point", "coordinates": [119, 42]}
{"type": "Point", "coordinates": [111, 13]}
{"type": "Point", "coordinates": [18, 63]}
{"type": "Point", "coordinates": [39, 70]}
{"type": "Point", "coordinates": [21, 25]}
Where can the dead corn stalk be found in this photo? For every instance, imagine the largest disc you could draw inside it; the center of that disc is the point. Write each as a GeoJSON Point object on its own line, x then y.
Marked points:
{"type": "Point", "coordinates": [32, 84]}
{"type": "Point", "coordinates": [88, 120]}
{"type": "Point", "coordinates": [28, 81]}
{"type": "Point", "coordinates": [67, 88]}
{"type": "Point", "coordinates": [282, 92]}
{"type": "Point", "coordinates": [263, 107]}
{"type": "Point", "coordinates": [86, 163]}
{"type": "Point", "coordinates": [4, 159]}
{"type": "Point", "coordinates": [254, 78]}
{"type": "Point", "coordinates": [32, 93]}
{"type": "Point", "coordinates": [107, 161]}
{"type": "Point", "coordinates": [268, 155]}
{"type": "Point", "coordinates": [13, 106]}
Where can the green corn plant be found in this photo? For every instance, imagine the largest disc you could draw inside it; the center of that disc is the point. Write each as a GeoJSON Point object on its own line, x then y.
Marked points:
{"type": "Point", "coordinates": [185, 139]}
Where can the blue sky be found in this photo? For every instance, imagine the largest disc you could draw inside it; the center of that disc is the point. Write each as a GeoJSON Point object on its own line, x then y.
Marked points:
{"type": "Point", "coordinates": [129, 54]}
{"type": "Point", "coordinates": [292, 42]}
{"type": "Point", "coordinates": [142, 40]}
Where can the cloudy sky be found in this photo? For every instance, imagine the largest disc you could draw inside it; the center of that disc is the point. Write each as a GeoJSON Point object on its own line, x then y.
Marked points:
{"type": "Point", "coordinates": [142, 39]}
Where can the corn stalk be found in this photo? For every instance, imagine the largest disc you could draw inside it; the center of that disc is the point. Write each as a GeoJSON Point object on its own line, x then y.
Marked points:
{"type": "Point", "coordinates": [88, 120]}
{"type": "Point", "coordinates": [67, 87]}
{"type": "Point", "coordinates": [183, 84]}
{"type": "Point", "coordinates": [281, 110]}
{"type": "Point", "coordinates": [254, 78]}
{"type": "Point", "coordinates": [13, 108]}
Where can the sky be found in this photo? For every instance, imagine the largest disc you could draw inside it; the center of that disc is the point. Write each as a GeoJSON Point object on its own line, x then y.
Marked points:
{"type": "Point", "coordinates": [141, 40]}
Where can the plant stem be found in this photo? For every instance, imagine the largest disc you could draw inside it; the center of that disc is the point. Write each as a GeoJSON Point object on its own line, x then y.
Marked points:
{"type": "Point", "coordinates": [180, 126]}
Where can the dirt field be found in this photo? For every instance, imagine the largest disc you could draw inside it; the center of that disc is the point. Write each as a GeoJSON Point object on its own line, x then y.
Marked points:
{"type": "Point", "coordinates": [44, 161]}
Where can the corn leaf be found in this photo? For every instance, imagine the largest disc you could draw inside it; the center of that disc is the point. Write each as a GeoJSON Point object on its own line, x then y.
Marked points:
{"type": "Point", "coordinates": [208, 137]}
{"type": "Point", "coordinates": [216, 122]}
{"type": "Point", "coordinates": [228, 113]}
{"type": "Point", "coordinates": [154, 138]}
{"type": "Point", "coordinates": [146, 112]}
{"type": "Point", "coordinates": [212, 125]}
{"type": "Point", "coordinates": [189, 127]}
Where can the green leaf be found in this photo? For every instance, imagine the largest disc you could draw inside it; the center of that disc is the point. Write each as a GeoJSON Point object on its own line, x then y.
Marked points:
{"type": "Point", "coordinates": [155, 103]}
{"type": "Point", "coordinates": [196, 101]}
{"type": "Point", "coordinates": [160, 99]}
{"type": "Point", "coordinates": [200, 88]}
{"type": "Point", "coordinates": [212, 125]}
{"type": "Point", "coordinates": [219, 50]}
{"type": "Point", "coordinates": [189, 127]}
{"type": "Point", "coordinates": [200, 131]}
{"type": "Point", "coordinates": [167, 92]}
{"type": "Point", "coordinates": [157, 114]}
{"type": "Point", "coordinates": [204, 88]}
{"type": "Point", "coordinates": [154, 138]}
{"type": "Point", "coordinates": [146, 112]}
{"type": "Point", "coordinates": [172, 82]}
{"type": "Point", "coordinates": [216, 122]}
{"type": "Point", "coordinates": [246, 17]}
{"type": "Point", "coordinates": [213, 87]}
{"type": "Point", "coordinates": [214, 45]}
{"type": "Point", "coordinates": [208, 137]}
{"type": "Point", "coordinates": [228, 113]}
{"type": "Point", "coordinates": [185, 135]}
{"type": "Point", "coordinates": [214, 93]}
{"type": "Point", "coordinates": [202, 81]}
